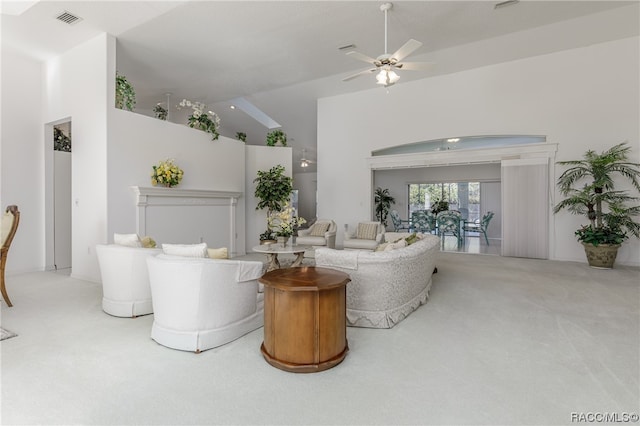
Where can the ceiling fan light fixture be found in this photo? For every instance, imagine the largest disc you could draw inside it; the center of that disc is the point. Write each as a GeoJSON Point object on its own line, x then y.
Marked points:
{"type": "Point", "coordinates": [304, 163]}
{"type": "Point", "coordinates": [387, 77]}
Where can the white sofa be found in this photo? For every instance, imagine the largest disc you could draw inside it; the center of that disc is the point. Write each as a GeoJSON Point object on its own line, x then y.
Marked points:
{"type": "Point", "coordinates": [385, 286]}
{"type": "Point", "coordinates": [202, 303]}
{"type": "Point", "coordinates": [125, 279]}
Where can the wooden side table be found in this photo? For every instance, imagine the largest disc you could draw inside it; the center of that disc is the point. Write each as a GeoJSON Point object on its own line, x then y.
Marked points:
{"type": "Point", "coordinates": [305, 318]}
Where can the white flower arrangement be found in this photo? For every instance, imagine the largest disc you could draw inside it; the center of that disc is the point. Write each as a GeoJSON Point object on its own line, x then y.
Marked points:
{"type": "Point", "coordinates": [166, 173]}
{"type": "Point", "coordinates": [283, 223]}
{"type": "Point", "coordinates": [200, 120]}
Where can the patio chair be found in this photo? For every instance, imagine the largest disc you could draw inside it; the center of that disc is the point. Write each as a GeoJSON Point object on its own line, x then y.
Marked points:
{"type": "Point", "coordinates": [480, 226]}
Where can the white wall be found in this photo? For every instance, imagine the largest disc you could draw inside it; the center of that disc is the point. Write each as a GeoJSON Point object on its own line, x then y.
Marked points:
{"type": "Point", "coordinates": [77, 85]}
{"type": "Point", "coordinates": [261, 158]}
{"type": "Point", "coordinates": [22, 158]}
{"type": "Point", "coordinates": [586, 98]}
{"type": "Point", "coordinates": [137, 142]}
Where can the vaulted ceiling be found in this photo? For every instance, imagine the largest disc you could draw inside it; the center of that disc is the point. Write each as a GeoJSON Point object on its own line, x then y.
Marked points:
{"type": "Point", "coordinates": [278, 55]}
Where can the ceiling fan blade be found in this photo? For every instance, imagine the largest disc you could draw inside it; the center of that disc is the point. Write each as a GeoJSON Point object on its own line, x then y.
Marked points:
{"type": "Point", "coordinates": [358, 74]}
{"type": "Point", "coordinates": [361, 57]}
{"type": "Point", "coordinates": [406, 49]}
{"type": "Point", "coordinates": [416, 66]}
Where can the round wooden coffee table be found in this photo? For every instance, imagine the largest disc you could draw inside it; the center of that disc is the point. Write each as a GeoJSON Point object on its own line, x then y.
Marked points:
{"type": "Point", "coordinates": [305, 318]}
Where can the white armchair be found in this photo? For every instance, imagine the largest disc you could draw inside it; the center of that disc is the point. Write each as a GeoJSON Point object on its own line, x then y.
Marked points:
{"type": "Point", "coordinates": [366, 237]}
{"type": "Point", "coordinates": [321, 234]}
{"type": "Point", "coordinates": [202, 303]}
{"type": "Point", "coordinates": [125, 279]}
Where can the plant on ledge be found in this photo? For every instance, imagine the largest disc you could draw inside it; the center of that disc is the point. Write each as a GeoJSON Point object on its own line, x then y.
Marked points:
{"type": "Point", "coordinates": [125, 95]}
{"type": "Point", "coordinates": [241, 136]}
{"type": "Point", "coordinates": [200, 120]}
{"type": "Point", "coordinates": [276, 137]}
{"type": "Point", "coordinates": [166, 173]}
{"type": "Point", "coordinates": [610, 219]}
{"type": "Point", "coordinates": [160, 112]}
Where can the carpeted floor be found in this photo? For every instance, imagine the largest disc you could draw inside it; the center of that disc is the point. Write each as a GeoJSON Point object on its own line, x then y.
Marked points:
{"type": "Point", "coordinates": [501, 341]}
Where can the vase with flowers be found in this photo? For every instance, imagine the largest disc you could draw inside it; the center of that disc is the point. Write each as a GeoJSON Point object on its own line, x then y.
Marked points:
{"type": "Point", "coordinates": [166, 173]}
{"type": "Point", "coordinates": [201, 120]}
{"type": "Point", "coordinates": [283, 223]}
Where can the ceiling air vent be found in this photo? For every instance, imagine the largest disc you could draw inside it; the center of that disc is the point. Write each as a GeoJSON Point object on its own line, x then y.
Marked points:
{"type": "Point", "coordinates": [68, 18]}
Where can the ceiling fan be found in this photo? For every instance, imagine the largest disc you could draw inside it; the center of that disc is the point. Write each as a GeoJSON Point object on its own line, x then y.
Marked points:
{"type": "Point", "coordinates": [387, 63]}
{"type": "Point", "coordinates": [304, 161]}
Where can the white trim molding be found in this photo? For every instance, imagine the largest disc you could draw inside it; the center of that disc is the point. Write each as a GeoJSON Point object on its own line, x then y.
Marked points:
{"type": "Point", "coordinates": [463, 156]}
{"type": "Point", "coordinates": [147, 197]}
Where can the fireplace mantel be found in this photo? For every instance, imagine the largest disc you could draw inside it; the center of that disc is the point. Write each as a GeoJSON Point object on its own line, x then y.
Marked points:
{"type": "Point", "coordinates": [161, 209]}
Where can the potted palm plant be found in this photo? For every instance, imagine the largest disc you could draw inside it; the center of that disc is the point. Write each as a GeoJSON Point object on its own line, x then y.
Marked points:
{"type": "Point", "coordinates": [611, 220]}
{"type": "Point", "coordinates": [383, 202]}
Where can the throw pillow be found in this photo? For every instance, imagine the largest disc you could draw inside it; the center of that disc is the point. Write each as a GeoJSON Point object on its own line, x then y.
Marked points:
{"type": "Point", "coordinates": [318, 229]}
{"type": "Point", "coordinates": [367, 231]}
{"type": "Point", "coordinates": [218, 253]}
{"type": "Point", "coordinates": [148, 242]}
{"type": "Point", "coordinates": [127, 240]}
{"type": "Point", "coordinates": [411, 239]}
{"type": "Point", "coordinates": [397, 245]}
{"type": "Point", "coordinates": [186, 250]}
{"type": "Point", "coordinates": [381, 247]}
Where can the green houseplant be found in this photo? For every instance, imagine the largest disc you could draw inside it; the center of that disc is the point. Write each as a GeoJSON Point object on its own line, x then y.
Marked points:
{"type": "Point", "coordinates": [160, 112]}
{"type": "Point", "coordinates": [273, 190]}
{"type": "Point", "coordinates": [383, 201]}
{"type": "Point", "coordinates": [439, 206]}
{"type": "Point", "coordinates": [201, 120]}
{"type": "Point", "coordinates": [611, 220]}
{"type": "Point", "coordinates": [125, 95]}
{"type": "Point", "coordinates": [276, 137]}
{"type": "Point", "coordinates": [241, 136]}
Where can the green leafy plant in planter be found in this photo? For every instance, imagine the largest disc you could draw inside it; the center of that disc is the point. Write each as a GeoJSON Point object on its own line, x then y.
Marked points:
{"type": "Point", "coordinates": [439, 206]}
{"type": "Point", "coordinates": [160, 112]}
{"type": "Point", "coordinates": [610, 219]}
{"type": "Point", "coordinates": [273, 189]}
{"type": "Point", "coordinates": [125, 95]}
{"type": "Point", "coordinates": [241, 136]}
{"type": "Point", "coordinates": [383, 201]}
{"type": "Point", "coordinates": [276, 137]}
{"type": "Point", "coordinates": [267, 235]}
{"type": "Point", "coordinates": [200, 120]}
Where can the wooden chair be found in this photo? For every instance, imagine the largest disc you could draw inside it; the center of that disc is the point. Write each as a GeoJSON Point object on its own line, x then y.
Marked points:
{"type": "Point", "coordinates": [10, 221]}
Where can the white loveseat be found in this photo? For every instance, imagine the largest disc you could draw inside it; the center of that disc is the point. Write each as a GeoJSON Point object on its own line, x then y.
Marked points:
{"type": "Point", "coordinates": [385, 286]}
{"type": "Point", "coordinates": [202, 303]}
{"type": "Point", "coordinates": [125, 279]}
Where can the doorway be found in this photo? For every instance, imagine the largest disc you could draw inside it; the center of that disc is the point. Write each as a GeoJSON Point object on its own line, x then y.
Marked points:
{"type": "Point", "coordinates": [58, 195]}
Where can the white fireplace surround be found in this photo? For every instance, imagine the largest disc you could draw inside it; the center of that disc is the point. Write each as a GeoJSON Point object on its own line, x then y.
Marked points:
{"type": "Point", "coordinates": [173, 215]}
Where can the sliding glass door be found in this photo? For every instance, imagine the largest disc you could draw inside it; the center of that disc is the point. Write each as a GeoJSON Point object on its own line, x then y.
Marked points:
{"type": "Point", "coordinates": [463, 196]}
